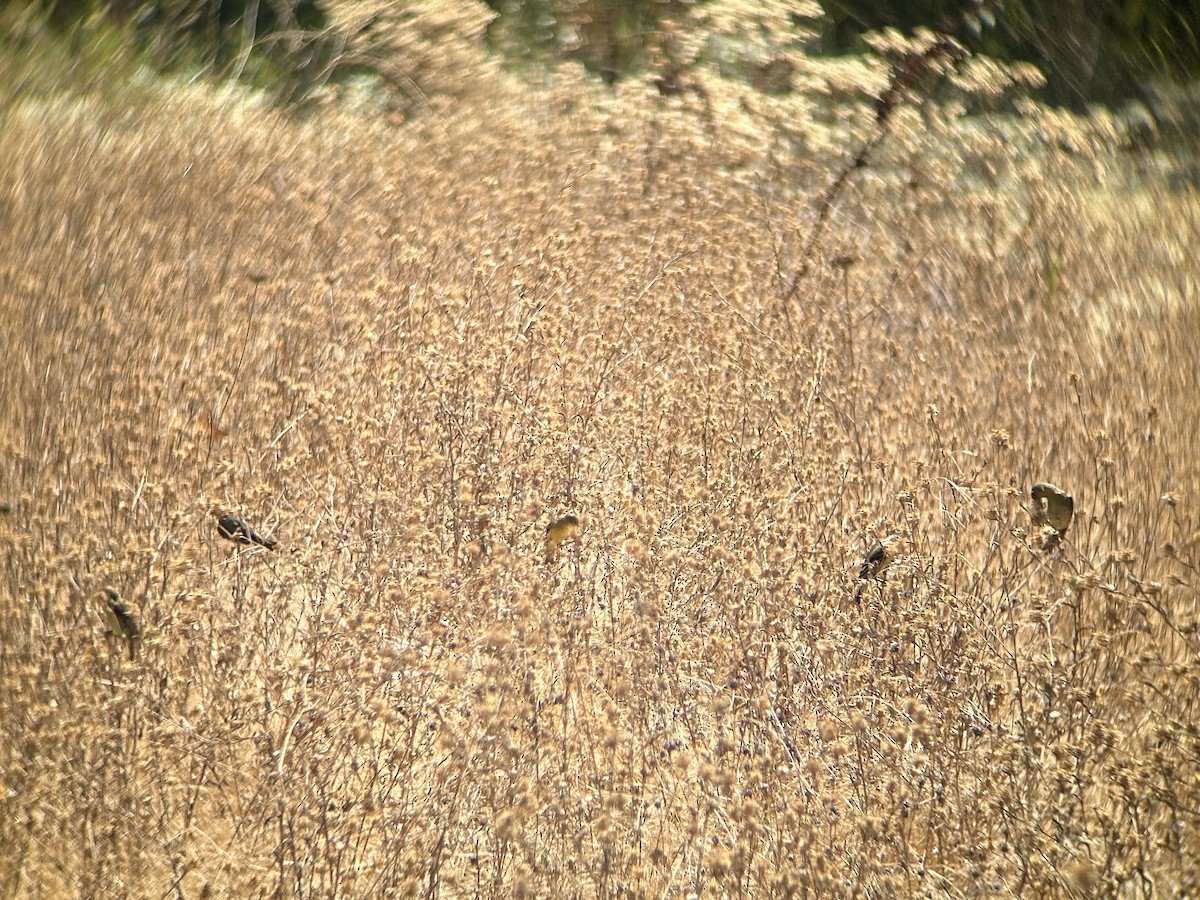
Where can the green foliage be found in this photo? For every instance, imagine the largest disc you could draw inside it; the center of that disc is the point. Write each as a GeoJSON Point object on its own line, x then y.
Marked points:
{"type": "Point", "coordinates": [613, 38]}
{"type": "Point", "coordinates": [299, 52]}
{"type": "Point", "coordinates": [1091, 50]}
{"type": "Point", "coordinates": [283, 47]}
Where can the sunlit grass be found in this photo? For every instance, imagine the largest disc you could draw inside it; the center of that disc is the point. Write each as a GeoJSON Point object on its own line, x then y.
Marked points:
{"type": "Point", "coordinates": [405, 352]}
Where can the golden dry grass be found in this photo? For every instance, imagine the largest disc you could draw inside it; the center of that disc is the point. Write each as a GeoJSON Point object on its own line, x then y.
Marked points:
{"type": "Point", "coordinates": [403, 352]}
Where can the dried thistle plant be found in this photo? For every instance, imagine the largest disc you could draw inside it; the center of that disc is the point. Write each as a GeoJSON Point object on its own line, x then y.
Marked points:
{"type": "Point", "coordinates": [476, 323]}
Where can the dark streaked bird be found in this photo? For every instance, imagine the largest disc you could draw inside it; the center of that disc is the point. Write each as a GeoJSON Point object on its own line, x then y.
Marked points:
{"type": "Point", "coordinates": [1052, 506]}
{"type": "Point", "coordinates": [234, 529]}
{"type": "Point", "coordinates": [121, 619]}
{"type": "Point", "coordinates": [559, 531]}
{"type": "Point", "coordinates": [875, 563]}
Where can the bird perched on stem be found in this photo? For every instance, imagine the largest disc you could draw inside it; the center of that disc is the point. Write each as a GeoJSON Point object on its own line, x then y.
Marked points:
{"type": "Point", "coordinates": [1052, 506]}
{"type": "Point", "coordinates": [234, 529]}
{"type": "Point", "coordinates": [875, 563]}
{"type": "Point", "coordinates": [121, 619]}
{"type": "Point", "coordinates": [558, 532]}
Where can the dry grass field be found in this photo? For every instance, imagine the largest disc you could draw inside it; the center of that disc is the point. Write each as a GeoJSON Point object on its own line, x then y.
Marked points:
{"type": "Point", "coordinates": [404, 349]}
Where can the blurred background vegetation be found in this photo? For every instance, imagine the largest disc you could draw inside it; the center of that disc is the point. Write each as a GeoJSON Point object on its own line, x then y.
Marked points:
{"type": "Point", "coordinates": [1090, 51]}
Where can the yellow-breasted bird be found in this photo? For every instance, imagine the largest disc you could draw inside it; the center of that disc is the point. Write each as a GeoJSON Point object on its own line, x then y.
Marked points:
{"type": "Point", "coordinates": [875, 563]}
{"type": "Point", "coordinates": [121, 619]}
{"type": "Point", "coordinates": [559, 531]}
{"type": "Point", "coordinates": [1052, 505]}
{"type": "Point", "coordinates": [234, 529]}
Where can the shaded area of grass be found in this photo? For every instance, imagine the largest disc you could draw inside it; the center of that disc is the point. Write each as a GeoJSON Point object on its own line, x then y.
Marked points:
{"type": "Point", "coordinates": [1091, 51]}
{"type": "Point", "coordinates": [404, 353]}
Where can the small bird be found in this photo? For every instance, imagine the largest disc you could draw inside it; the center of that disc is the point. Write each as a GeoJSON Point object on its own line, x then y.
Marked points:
{"type": "Point", "coordinates": [121, 619]}
{"type": "Point", "coordinates": [1052, 506]}
{"type": "Point", "coordinates": [234, 529]}
{"type": "Point", "coordinates": [558, 532]}
{"type": "Point", "coordinates": [875, 563]}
